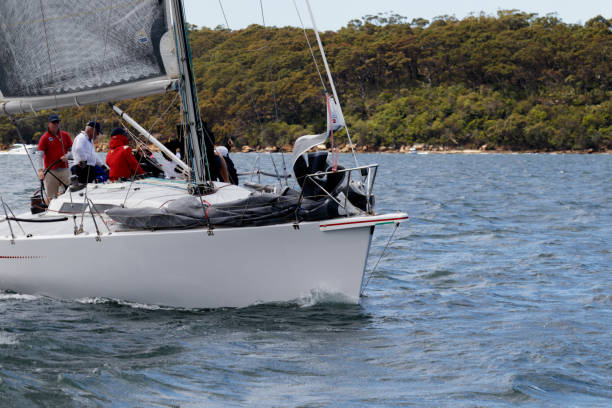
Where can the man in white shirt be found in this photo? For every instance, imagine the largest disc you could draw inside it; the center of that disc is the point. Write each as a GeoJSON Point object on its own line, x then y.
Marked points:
{"type": "Point", "coordinates": [84, 153]}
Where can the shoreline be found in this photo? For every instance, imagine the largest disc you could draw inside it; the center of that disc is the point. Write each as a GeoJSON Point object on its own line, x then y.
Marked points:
{"type": "Point", "coordinates": [248, 149]}
{"type": "Point", "coordinates": [415, 149]}
{"type": "Point", "coordinates": [418, 152]}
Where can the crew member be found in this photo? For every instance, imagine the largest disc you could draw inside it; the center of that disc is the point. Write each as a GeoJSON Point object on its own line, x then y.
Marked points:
{"type": "Point", "coordinates": [84, 153]}
{"type": "Point", "coordinates": [232, 174]}
{"type": "Point", "coordinates": [53, 148]}
{"type": "Point", "coordinates": [221, 173]}
{"type": "Point", "coordinates": [120, 159]}
{"type": "Point", "coordinates": [231, 169]}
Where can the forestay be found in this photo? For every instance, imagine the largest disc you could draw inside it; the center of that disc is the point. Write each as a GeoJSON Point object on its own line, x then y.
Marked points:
{"type": "Point", "coordinates": [76, 52]}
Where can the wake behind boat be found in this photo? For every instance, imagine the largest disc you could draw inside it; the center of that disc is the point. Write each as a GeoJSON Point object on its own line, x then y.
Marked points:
{"type": "Point", "coordinates": [194, 243]}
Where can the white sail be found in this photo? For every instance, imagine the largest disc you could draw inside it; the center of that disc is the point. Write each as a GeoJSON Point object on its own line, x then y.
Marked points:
{"type": "Point", "coordinates": [335, 119]}
{"type": "Point", "coordinates": [335, 122]}
{"type": "Point", "coordinates": [75, 52]}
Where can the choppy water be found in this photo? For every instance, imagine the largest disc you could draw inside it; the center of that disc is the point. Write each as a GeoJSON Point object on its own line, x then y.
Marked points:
{"type": "Point", "coordinates": [498, 292]}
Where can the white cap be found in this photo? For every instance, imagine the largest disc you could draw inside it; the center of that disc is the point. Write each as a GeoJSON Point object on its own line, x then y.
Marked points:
{"type": "Point", "coordinates": [222, 150]}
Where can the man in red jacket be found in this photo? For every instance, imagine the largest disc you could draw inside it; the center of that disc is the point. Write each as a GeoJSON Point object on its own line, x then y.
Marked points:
{"type": "Point", "coordinates": [53, 148]}
{"type": "Point", "coordinates": [120, 160]}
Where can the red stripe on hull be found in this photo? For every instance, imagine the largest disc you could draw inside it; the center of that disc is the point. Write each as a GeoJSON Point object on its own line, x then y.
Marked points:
{"type": "Point", "coordinates": [363, 222]}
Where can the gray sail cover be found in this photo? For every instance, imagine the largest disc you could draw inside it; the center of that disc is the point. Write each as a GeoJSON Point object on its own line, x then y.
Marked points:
{"type": "Point", "coordinates": [56, 53]}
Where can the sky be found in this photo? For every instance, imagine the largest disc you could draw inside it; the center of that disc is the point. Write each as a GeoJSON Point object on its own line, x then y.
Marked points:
{"type": "Point", "coordinates": [333, 14]}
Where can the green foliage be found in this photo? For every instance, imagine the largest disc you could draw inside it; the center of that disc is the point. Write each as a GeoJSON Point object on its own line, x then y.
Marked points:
{"type": "Point", "coordinates": [515, 80]}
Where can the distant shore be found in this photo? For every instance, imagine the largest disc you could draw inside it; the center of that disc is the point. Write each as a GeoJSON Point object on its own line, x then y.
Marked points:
{"type": "Point", "coordinates": [415, 149]}
{"type": "Point", "coordinates": [425, 150]}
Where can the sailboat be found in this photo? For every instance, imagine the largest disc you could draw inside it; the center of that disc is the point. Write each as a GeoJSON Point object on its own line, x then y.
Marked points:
{"type": "Point", "coordinates": [21, 149]}
{"type": "Point", "coordinates": [194, 244]}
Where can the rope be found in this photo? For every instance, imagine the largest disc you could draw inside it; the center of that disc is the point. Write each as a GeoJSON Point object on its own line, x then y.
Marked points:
{"type": "Point", "coordinates": [377, 262]}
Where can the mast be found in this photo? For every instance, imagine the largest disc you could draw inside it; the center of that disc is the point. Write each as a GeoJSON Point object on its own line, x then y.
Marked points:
{"type": "Point", "coordinates": [202, 153]}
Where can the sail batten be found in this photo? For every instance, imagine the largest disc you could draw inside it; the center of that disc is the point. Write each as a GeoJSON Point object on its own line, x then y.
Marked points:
{"type": "Point", "coordinates": [75, 52]}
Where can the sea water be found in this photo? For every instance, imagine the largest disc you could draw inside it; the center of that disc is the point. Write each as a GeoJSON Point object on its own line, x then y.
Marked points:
{"type": "Point", "coordinates": [497, 292]}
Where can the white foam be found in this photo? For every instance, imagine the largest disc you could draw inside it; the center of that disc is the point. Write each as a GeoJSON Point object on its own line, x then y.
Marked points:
{"type": "Point", "coordinates": [93, 300]}
{"type": "Point", "coordinates": [17, 296]}
{"type": "Point", "coordinates": [7, 339]}
{"type": "Point", "coordinates": [324, 296]}
{"type": "Point", "coordinates": [140, 305]}
{"type": "Point", "coordinates": [102, 301]}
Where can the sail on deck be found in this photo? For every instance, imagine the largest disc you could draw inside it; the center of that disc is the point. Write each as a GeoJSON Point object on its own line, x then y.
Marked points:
{"type": "Point", "coordinates": [77, 52]}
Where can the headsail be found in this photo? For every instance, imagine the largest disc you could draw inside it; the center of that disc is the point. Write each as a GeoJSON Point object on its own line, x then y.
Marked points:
{"type": "Point", "coordinates": [74, 52]}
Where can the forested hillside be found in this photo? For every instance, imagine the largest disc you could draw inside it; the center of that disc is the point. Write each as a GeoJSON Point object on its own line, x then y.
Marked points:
{"type": "Point", "coordinates": [514, 81]}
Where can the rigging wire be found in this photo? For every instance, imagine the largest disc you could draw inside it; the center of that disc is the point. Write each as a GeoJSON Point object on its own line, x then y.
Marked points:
{"type": "Point", "coordinates": [379, 258]}
{"type": "Point", "coordinates": [100, 77]}
{"type": "Point", "coordinates": [24, 144]}
{"type": "Point", "coordinates": [285, 174]}
{"type": "Point", "coordinates": [263, 18]}
{"type": "Point", "coordinates": [280, 181]}
{"type": "Point", "coordinates": [164, 112]}
{"type": "Point", "coordinates": [224, 16]}
{"type": "Point", "coordinates": [44, 21]}
{"type": "Point", "coordinates": [314, 59]}
{"type": "Point", "coordinates": [42, 186]}
{"type": "Point", "coordinates": [133, 177]}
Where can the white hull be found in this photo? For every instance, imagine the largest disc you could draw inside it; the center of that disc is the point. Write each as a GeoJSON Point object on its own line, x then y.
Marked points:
{"type": "Point", "coordinates": [231, 268]}
{"type": "Point", "coordinates": [194, 268]}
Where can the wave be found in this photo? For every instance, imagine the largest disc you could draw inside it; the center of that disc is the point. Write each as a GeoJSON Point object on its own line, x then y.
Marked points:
{"type": "Point", "coordinates": [17, 296]}
{"type": "Point", "coordinates": [562, 389]}
{"type": "Point", "coordinates": [118, 302]}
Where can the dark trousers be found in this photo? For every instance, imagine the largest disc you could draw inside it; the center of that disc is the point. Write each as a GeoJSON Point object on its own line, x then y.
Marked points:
{"type": "Point", "coordinates": [86, 174]}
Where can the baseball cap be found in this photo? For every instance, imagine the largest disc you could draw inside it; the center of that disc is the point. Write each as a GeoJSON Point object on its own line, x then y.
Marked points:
{"type": "Point", "coordinates": [119, 131]}
{"type": "Point", "coordinates": [95, 125]}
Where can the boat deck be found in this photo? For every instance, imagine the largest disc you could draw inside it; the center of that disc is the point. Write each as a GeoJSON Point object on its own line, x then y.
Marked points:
{"type": "Point", "coordinates": [71, 213]}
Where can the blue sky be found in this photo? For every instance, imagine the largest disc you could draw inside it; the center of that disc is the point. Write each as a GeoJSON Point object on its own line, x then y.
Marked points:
{"type": "Point", "coordinates": [333, 14]}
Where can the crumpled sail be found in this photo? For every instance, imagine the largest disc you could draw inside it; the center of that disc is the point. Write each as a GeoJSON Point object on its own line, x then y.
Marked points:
{"type": "Point", "coordinates": [335, 121]}
{"type": "Point", "coordinates": [76, 52]}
